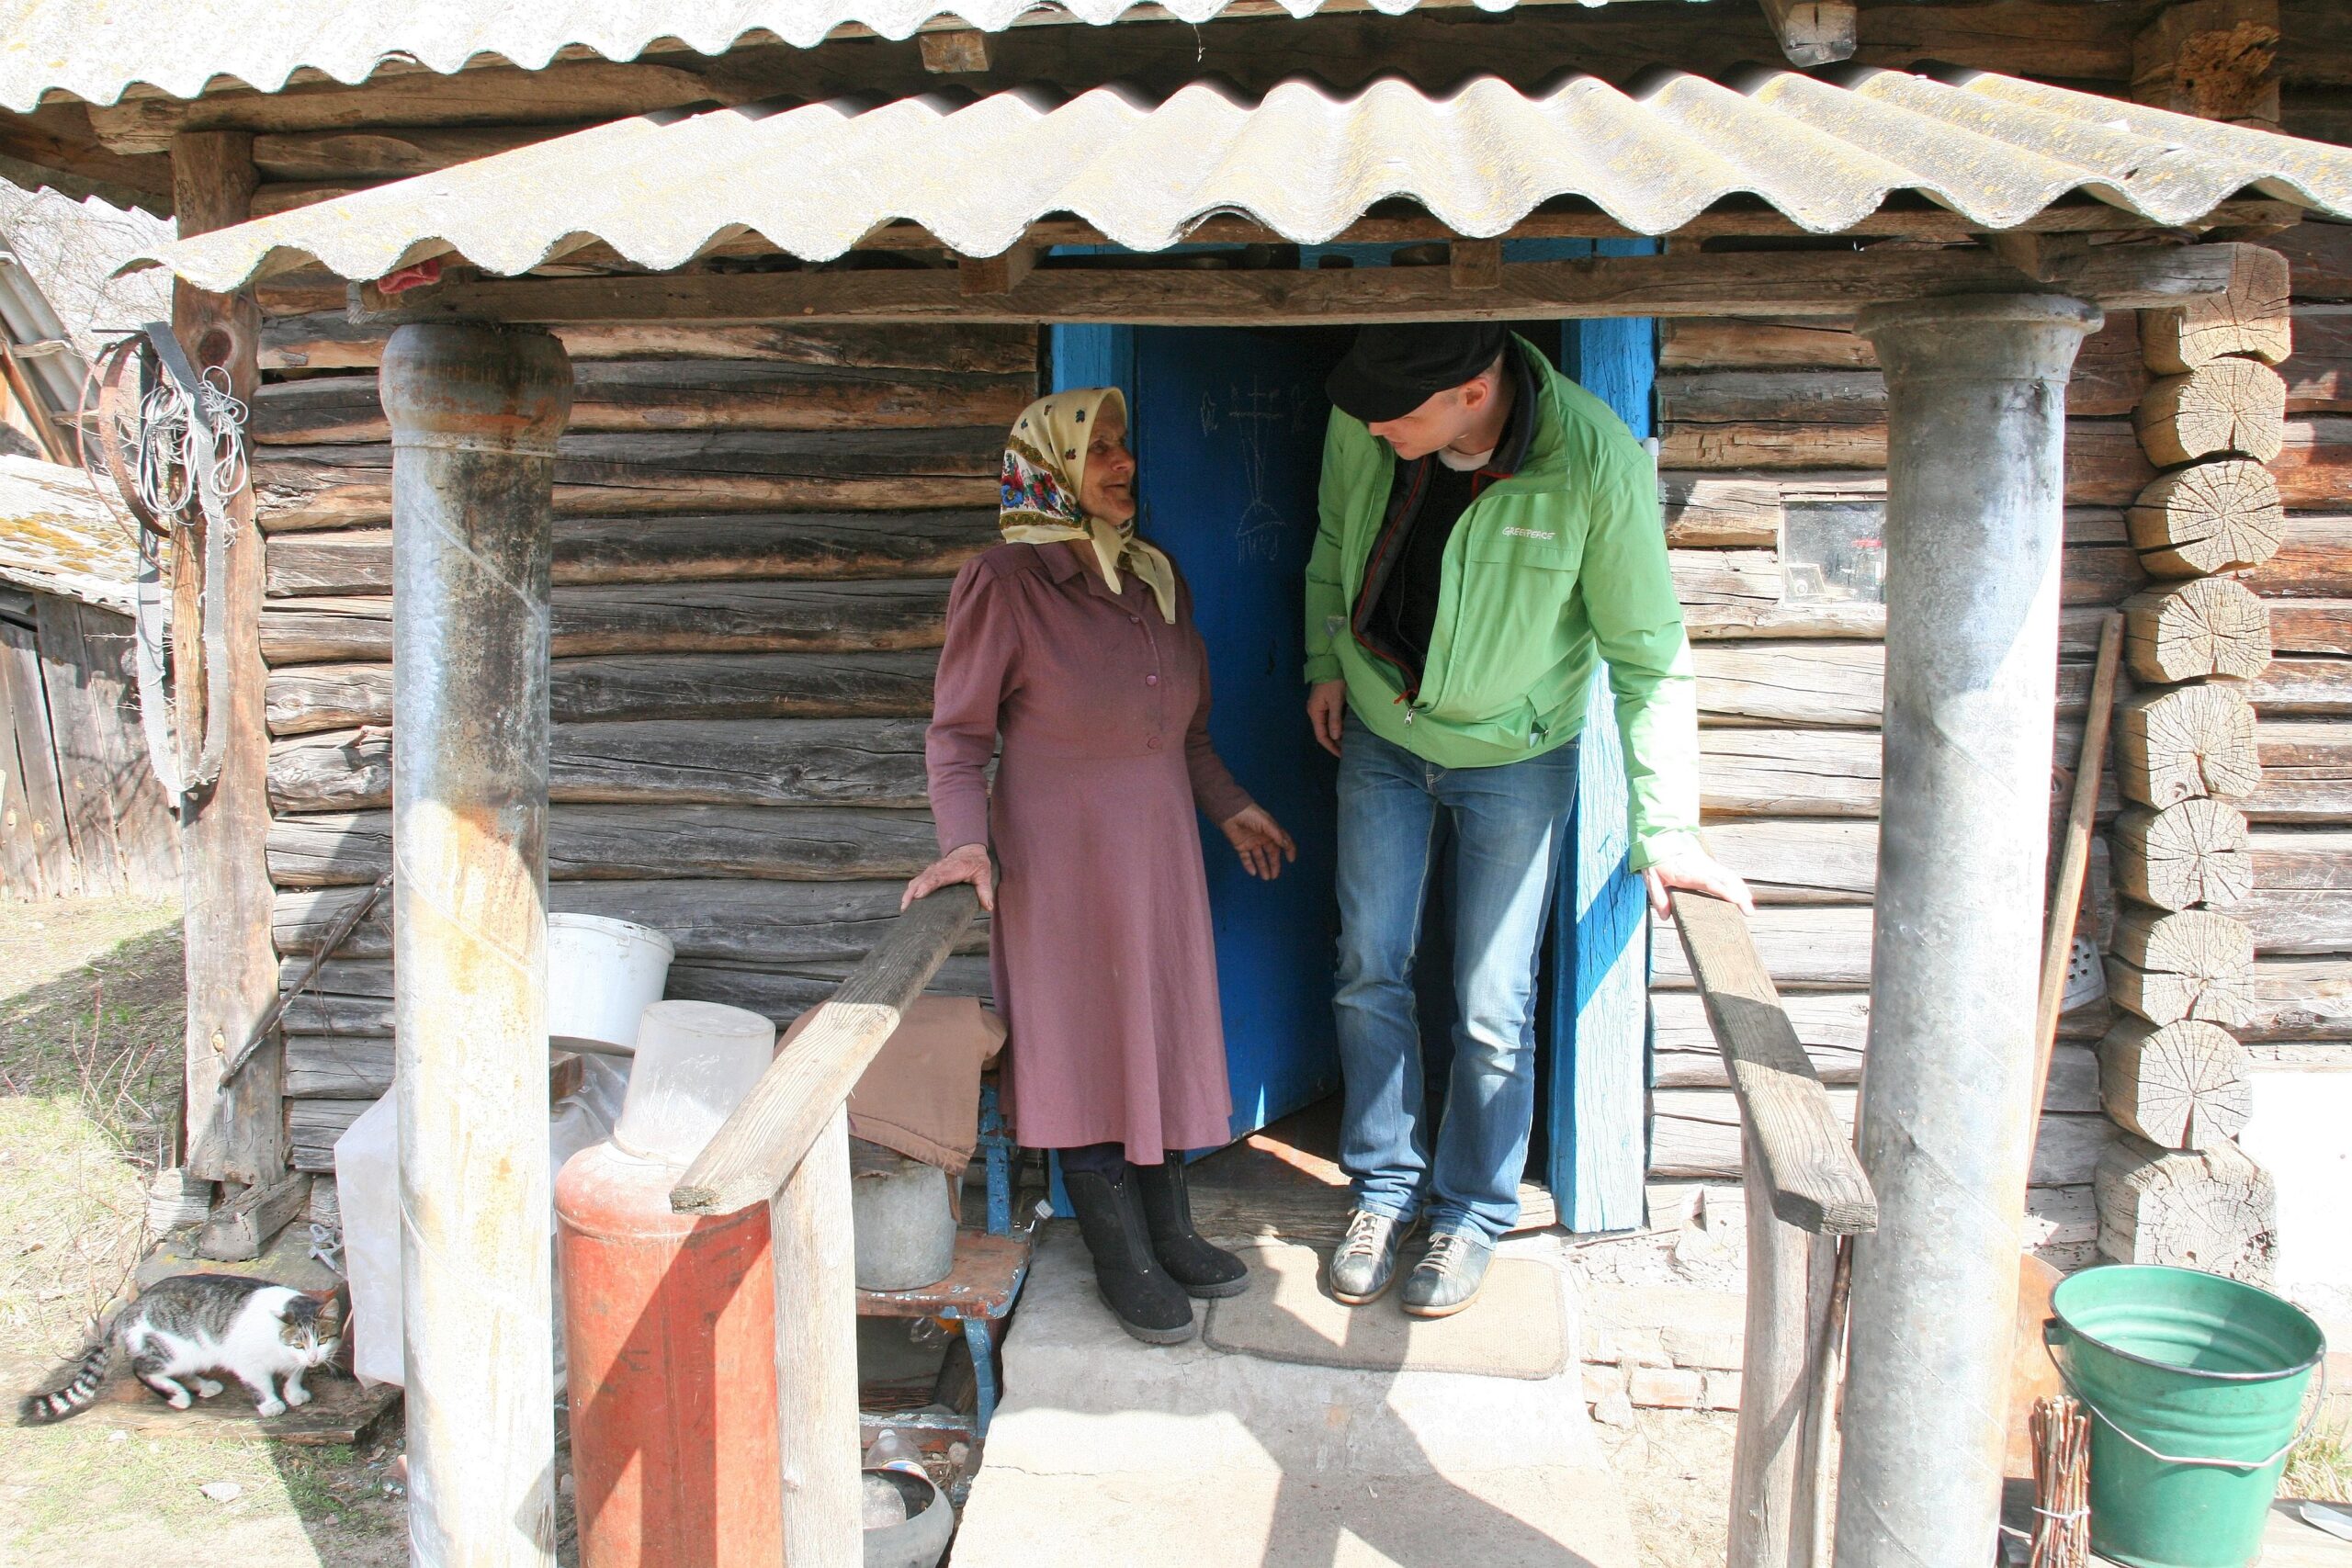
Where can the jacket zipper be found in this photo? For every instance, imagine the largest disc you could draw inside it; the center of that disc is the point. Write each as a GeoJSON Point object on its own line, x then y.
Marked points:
{"type": "Point", "coordinates": [1364, 603]}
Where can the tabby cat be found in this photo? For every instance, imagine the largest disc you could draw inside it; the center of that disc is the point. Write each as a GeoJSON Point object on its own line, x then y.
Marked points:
{"type": "Point", "coordinates": [194, 1324]}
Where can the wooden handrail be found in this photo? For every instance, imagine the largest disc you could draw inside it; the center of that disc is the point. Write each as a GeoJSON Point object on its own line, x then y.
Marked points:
{"type": "Point", "coordinates": [1806, 1160]}
{"type": "Point", "coordinates": [1804, 1187]}
{"type": "Point", "coordinates": [751, 1157]}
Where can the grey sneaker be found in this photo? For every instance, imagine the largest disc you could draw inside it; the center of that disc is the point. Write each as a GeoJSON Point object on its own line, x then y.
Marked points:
{"type": "Point", "coordinates": [1366, 1264]}
{"type": "Point", "coordinates": [1448, 1276]}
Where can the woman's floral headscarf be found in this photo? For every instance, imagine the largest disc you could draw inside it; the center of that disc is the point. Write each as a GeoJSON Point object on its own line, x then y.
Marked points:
{"type": "Point", "coordinates": [1044, 464]}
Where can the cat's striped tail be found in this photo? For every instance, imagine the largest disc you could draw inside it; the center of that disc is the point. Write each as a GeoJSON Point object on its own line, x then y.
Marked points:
{"type": "Point", "coordinates": [39, 1409]}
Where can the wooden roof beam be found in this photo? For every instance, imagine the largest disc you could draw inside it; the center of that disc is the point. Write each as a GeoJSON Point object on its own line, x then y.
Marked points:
{"type": "Point", "coordinates": [1813, 32]}
{"type": "Point", "coordinates": [1766, 283]}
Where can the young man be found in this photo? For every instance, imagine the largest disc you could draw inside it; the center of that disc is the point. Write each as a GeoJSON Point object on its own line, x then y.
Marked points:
{"type": "Point", "coordinates": [1489, 529]}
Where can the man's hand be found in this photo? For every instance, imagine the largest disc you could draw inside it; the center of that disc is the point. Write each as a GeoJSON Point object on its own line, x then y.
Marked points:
{"type": "Point", "coordinates": [966, 863]}
{"type": "Point", "coordinates": [1696, 872]}
{"type": "Point", "coordinates": [1327, 704]}
{"type": "Point", "coordinates": [1260, 840]}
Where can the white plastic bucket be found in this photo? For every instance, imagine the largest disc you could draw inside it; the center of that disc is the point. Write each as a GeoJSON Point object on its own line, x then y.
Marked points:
{"type": "Point", "coordinates": [602, 974]}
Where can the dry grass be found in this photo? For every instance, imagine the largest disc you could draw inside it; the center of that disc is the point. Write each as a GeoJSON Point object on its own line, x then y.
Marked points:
{"type": "Point", "coordinates": [2321, 1466]}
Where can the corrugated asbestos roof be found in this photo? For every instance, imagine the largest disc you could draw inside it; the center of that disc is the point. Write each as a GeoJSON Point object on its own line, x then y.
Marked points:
{"type": "Point", "coordinates": [57, 536]}
{"type": "Point", "coordinates": [95, 48]}
{"type": "Point", "coordinates": [814, 180]}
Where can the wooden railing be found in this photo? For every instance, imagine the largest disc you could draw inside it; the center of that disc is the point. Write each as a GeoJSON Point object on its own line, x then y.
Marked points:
{"type": "Point", "coordinates": [787, 1146]}
{"type": "Point", "coordinates": [1805, 1188]}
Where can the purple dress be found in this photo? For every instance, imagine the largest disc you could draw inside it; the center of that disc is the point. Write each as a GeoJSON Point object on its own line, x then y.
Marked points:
{"type": "Point", "coordinates": [1105, 972]}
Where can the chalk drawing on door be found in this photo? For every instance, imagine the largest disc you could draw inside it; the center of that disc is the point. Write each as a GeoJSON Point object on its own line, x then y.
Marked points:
{"type": "Point", "coordinates": [1256, 412]}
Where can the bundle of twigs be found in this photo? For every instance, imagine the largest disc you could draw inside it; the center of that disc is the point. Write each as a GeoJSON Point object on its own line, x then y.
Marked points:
{"type": "Point", "coordinates": [2062, 1480]}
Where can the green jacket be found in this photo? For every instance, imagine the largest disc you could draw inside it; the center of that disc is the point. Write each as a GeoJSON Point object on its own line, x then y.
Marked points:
{"type": "Point", "coordinates": [1556, 566]}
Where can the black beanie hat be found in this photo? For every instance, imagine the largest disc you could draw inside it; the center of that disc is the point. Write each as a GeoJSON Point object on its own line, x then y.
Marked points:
{"type": "Point", "coordinates": [1395, 367]}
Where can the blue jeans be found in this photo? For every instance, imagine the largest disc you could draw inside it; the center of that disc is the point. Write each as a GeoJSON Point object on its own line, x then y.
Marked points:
{"type": "Point", "coordinates": [1509, 823]}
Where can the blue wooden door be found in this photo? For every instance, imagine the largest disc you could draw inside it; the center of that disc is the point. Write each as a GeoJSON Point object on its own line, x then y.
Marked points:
{"type": "Point", "coordinates": [1228, 437]}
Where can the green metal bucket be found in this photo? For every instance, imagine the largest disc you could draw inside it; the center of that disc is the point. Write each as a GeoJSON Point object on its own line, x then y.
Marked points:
{"type": "Point", "coordinates": [2194, 1386]}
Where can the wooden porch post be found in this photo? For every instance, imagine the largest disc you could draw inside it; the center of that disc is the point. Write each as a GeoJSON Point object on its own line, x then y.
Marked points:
{"type": "Point", "coordinates": [235, 1133]}
{"type": "Point", "coordinates": [475, 412]}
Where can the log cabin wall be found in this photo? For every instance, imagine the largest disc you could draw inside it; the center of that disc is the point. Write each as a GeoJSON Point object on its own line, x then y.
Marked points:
{"type": "Point", "coordinates": [755, 532]}
{"type": "Point", "coordinates": [1770, 428]}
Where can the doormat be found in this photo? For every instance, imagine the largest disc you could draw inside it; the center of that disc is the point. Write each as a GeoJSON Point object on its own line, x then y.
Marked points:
{"type": "Point", "coordinates": [1516, 1328]}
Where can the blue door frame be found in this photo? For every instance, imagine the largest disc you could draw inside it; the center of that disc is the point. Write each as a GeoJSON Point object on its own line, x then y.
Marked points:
{"type": "Point", "coordinates": [1598, 1024]}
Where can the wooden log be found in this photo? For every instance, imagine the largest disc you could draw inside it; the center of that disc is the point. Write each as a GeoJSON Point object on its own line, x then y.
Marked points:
{"type": "Point", "coordinates": [1801, 860]}
{"type": "Point", "coordinates": [2314, 560]}
{"type": "Point", "coordinates": [2319, 373]}
{"type": "Point", "coordinates": [1694, 1136]}
{"type": "Point", "coordinates": [328, 1015]}
{"type": "Point", "coordinates": [2188, 741]}
{"type": "Point", "coordinates": [2214, 518]}
{"type": "Point", "coordinates": [327, 339]}
{"type": "Point", "coordinates": [610, 474]}
{"type": "Point", "coordinates": [2214, 1210]}
{"type": "Point", "coordinates": [1854, 397]}
{"type": "Point", "coordinates": [2108, 378]}
{"type": "Point", "coordinates": [1789, 772]}
{"type": "Point", "coordinates": [1810, 1174]}
{"type": "Point", "coordinates": [306, 698]}
{"type": "Point", "coordinates": [2211, 59]}
{"type": "Point", "coordinates": [2208, 625]}
{"type": "Point", "coordinates": [2253, 316]}
{"type": "Point", "coordinates": [674, 549]}
{"type": "Point", "coordinates": [236, 1130]}
{"type": "Point", "coordinates": [1679, 283]}
{"type": "Point", "coordinates": [811, 762]}
{"type": "Point", "coordinates": [2299, 1000]}
{"type": "Point", "coordinates": [1746, 580]}
{"type": "Point", "coordinates": [2312, 626]}
{"type": "Point", "coordinates": [1831, 1026]}
{"type": "Point", "coordinates": [774, 923]}
{"type": "Point", "coordinates": [1831, 685]}
{"type": "Point", "coordinates": [2313, 466]}
{"type": "Point", "coordinates": [2181, 1086]}
{"type": "Point", "coordinates": [2191, 853]}
{"type": "Point", "coordinates": [2289, 685]}
{"type": "Point", "coordinates": [242, 1228]}
{"type": "Point", "coordinates": [685, 617]}
{"type": "Point", "coordinates": [753, 1154]}
{"type": "Point", "coordinates": [1757, 618]}
{"type": "Point", "coordinates": [1705, 509]}
{"type": "Point", "coordinates": [1804, 948]}
{"type": "Point", "coordinates": [332, 1067]}
{"type": "Point", "coordinates": [2222, 406]}
{"type": "Point", "coordinates": [598, 843]}
{"type": "Point", "coordinates": [311, 1128]}
{"type": "Point", "coordinates": [2319, 256]}
{"type": "Point", "coordinates": [2190, 965]}
{"type": "Point", "coordinates": [389, 151]}
{"type": "Point", "coordinates": [2301, 900]}
{"type": "Point", "coordinates": [2306, 771]}
{"type": "Point", "coordinates": [678, 394]}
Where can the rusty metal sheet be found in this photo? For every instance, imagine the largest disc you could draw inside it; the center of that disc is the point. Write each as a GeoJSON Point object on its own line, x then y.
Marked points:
{"type": "Point", "coordinates": [1306, 162]}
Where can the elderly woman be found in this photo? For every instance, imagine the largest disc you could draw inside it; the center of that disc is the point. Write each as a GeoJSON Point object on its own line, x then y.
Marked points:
{"type": "Point", "coordinates": [1073, 641]}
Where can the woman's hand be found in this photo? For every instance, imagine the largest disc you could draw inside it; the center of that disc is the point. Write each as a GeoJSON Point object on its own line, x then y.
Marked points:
{"type": "Point", "coordinates": [1260, 840]}
{"type": "Point", "coordinates": [965, 863]}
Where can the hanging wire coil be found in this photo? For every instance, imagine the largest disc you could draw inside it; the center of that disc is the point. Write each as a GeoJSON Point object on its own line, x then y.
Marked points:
{"type": "Point", "coordinates": [170, 442]}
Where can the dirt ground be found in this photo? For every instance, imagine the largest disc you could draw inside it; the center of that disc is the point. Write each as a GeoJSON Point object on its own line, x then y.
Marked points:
{"type": "Point", "coordinates": [90, 1024]}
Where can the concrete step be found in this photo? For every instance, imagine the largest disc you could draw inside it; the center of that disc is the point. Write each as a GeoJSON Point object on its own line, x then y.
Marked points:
{"type": "Point", "coordinates": [1107, 1450]}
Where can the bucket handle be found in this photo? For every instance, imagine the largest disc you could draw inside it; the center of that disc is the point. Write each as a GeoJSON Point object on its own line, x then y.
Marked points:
{"type": "Point", "coordinates": [2049, 1328]}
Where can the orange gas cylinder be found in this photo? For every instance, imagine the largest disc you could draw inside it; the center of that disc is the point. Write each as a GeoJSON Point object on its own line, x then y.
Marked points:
{"type": "Point", "coordinates": [668, 1342]}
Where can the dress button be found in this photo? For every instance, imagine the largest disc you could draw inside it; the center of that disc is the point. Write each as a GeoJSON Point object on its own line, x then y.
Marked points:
{"type": "Point", "coordinates": [1135, 620]}
{"type": "Point", "coordinates": [1153, 743]}
{"type": "Point", "coordinates": [1151, 679]}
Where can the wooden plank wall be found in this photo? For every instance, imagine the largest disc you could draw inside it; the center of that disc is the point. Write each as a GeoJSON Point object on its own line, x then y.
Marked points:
{"type": "Point", "coordinates": [80, 813]}
{"type": "Point", "coordinates": [1755, 415]}
{"type": "Point", "coordinates": [755, 531]}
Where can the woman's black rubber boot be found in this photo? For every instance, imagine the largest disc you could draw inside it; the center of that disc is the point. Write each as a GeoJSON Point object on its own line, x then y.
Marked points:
{"type": "Point", "coordinates": [1148, 1304]}
{"type": "Point", "coordinates": [1202, 1269]}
